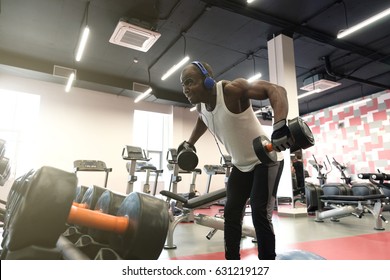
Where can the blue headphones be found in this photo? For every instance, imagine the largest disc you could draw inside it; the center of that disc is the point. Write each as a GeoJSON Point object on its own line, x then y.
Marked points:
{"type": "Point", "coordinates": [208, 81]}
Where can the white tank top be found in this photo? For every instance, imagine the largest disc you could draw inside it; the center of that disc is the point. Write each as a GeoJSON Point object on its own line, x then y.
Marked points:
{"type": "Point", "coordinates": [232, 131]}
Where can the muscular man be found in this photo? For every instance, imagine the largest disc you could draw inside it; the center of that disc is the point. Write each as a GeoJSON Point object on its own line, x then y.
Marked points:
{"type": "Point", "coordinates": [225, 109]}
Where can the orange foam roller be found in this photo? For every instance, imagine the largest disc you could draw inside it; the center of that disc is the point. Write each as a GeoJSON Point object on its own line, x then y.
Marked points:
{"type": "Point", "coordinates": [98, 220]}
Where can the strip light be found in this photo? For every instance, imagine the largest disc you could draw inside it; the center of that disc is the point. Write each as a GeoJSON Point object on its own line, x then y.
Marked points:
{"type": "Point", "coordinates": [364, 23]}
{"type": "Point", "coordinates": [82, 43]}
{"type": "Point", "coordinates": [254, 77]}
{"type": "Point", "coordinates": [309, 93]}
{"type": "Point", "coordinates": [70, 82]}
{"type": "Point", "coordinates": [143, 95]}
{"type": "Point", "coordinates": [174, 68]}
{"type": "Point", "coordinates": [193, 109]}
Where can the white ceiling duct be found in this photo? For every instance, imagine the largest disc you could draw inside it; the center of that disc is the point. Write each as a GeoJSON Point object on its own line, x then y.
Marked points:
{"type": "Point", "coordinates": [133, 37]}
{"type": "Point", "coordinates": [319, 82]}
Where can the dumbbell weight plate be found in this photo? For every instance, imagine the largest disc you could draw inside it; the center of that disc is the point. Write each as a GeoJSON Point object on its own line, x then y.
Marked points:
{"type": "Point", "coordinates": [302, 134]}
{"type": "Point", "coordinates": [40, 208]}
{"type": "Point", "coordinates": [108, 203]}
{"type": "Point", "coordinates": [266, 157]}
{"type": "Point", "coordinates": [80, 192]}
{"type": "Point", "coordinates": [148, 227]}
{"type": "Point", "coordinates": [92, 195]}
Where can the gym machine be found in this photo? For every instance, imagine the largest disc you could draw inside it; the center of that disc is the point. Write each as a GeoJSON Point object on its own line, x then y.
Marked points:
{"type": "Point", "coordinates": [380, 181]}
{"type": "Point", "coordinates": [148, 169]}
{"type": "Point", "coordinates": [92, 166]}
{"type": "Point", "coordinates": [357, 188]}
{"type": "Point", "coordinates": [133, 154]}
{"type": "Point", "coordinates": [174, 167]}
{"type": "Point", "coordinates": [347, 205]}
{"type": "Point", "coordinates": [313, 192]}
{"type": "Point", "coordinates": [223, 168]}
{"type": "Point", "coordinates": [189, 205]}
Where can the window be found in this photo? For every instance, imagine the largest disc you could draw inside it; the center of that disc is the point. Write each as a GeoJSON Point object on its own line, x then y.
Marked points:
{"type": "Point", "coordinates": [152, 133]}
{"type": "Point", "coordinates": [18, 120]}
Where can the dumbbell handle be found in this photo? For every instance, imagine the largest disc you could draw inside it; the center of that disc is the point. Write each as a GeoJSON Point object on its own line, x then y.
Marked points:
{"type": "Point", "coordinates": [268, 147]}
{"type": "Point", "coordinates": [81, 205]}
{"type": "Point", "coordinates": [97, 220]}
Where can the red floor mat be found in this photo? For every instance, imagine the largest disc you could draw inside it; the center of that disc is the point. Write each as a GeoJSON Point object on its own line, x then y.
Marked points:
{"type": "Point", "coordinates": [374, 246]}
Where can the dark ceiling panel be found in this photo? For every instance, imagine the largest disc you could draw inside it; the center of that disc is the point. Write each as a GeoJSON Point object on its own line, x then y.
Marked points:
{"type": "Point", "coordinates": [231, 35]}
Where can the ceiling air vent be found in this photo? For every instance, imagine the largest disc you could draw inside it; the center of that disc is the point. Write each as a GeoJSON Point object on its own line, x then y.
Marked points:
{"type": "Point", "coordinates": [133, 37]}
{"type": "Point", "coordinates": [140, 87]}
{"type": "Point", "coordinates": [319, 81]}
{"type": "Point", "coordinates": [63, 72]}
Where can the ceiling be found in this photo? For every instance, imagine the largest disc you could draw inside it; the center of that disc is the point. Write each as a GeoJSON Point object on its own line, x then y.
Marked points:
{"type": "Point", "coordinates": [230, 35]}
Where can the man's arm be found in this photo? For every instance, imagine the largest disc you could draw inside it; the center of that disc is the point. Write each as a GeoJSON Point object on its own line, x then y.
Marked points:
{"type": "Point", "coordinates": [261, 90]}
{"type": "Point", "coordinates": [277, 96]}
{"type": "Point", "coordinates": [199, 129]}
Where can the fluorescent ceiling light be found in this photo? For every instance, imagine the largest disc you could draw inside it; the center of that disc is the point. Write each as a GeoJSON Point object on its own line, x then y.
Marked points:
{"type": "Point", "coordinates": [82, 43]}
{"type": "Point", "coordinates": [143, 95]}
{"type": "Point", "coordinates": [249, 1]}
{"type": "Point", "coordinates": [309, 93]}
{"type": "Point", "coordinates": [254, 77]}
{"type": "Point", "coordinates": [364, 23]}
{"type": "Point", "coordinates": [70, 82]}
{"type": "Point", "coordinates": [174, 68]}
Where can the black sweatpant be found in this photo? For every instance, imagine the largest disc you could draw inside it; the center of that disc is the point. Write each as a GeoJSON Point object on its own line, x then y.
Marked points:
{"type": "Point", "coordinates": [260, 186]}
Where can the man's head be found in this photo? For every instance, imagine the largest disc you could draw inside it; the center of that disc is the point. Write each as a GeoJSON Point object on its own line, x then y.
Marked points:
{"type": "Point", "coordinates": [196, 79]}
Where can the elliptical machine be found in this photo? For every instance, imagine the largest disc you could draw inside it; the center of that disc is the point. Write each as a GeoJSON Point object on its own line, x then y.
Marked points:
{"type": "Point", "coordinates": [313, 192]}
{"type": "Point", "coordinates": [357, 188]}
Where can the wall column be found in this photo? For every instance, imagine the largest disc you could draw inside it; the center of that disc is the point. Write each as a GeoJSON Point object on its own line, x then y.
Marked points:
{"type": "Point", "coordinates": [281, 62]}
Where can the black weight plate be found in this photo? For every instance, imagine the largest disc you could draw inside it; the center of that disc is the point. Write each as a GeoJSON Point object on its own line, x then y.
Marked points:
{"type": "Point", "coordinates": [302, 134]}
{"type": "Point", "coordinates": [108, 203]}
{"type": "Point", "coordinates": [262, 154]}
{"type": "Point", "coordinates": [187, 160]}
{"type": "Point", "coordinates": [80, 192]}
{"type": "Point", "coordinates": [148, 227]}
{"type": "Point", "coordinates": [40, 209]}
{"type": "Point", "coordinates": [14, 197]}
{"type": "Point", "coordinates": [91, 196]}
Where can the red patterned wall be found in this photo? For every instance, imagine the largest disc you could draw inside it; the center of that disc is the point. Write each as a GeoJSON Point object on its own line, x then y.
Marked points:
{"type": "Point", "coordinates": [357, 136]}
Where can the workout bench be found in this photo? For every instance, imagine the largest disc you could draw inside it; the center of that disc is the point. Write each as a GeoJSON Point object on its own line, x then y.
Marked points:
{"type": "Point", "coordinates": [346, 205]}
{"type": "Point", "coordinates": [215, 223]}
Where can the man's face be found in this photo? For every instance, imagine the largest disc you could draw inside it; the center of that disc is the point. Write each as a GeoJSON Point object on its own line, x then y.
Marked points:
{"type": "Point", "coordinates": [192, 83]}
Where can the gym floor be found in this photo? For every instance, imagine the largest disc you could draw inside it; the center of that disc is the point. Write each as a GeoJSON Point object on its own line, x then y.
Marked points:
{"type": "Point", "coordinates": [349, 239]}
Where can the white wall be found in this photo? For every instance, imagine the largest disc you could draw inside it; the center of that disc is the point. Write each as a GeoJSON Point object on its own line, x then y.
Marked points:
{"type": "Point", "coordinates": [84, 124]}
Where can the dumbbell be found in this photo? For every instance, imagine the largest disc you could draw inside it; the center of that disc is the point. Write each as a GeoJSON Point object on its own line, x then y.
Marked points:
{"type": "Point", "coordinates": [40, 205]}
{"type": "Point", "coordinates": [137, 231]}
{"type": "Point", "coordinates": [302, 139]}
{"type": "Point", "coordinates": [186, 156]}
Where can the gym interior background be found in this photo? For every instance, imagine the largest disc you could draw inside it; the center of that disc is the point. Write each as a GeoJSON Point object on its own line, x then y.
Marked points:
{"type": "Point", "coordinates": [43, 125]}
